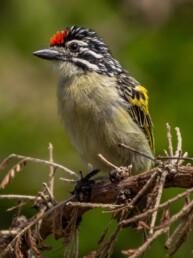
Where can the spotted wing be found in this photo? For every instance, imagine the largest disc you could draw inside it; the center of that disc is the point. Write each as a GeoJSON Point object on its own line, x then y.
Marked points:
{"type": "Point", "coordinates": [136, 96]}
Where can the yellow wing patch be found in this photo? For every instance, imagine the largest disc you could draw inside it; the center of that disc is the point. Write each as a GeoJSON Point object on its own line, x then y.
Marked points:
{"type": "Point", "coordinates": [136, 96]}
{"type": "Point", "coordinates": [141, 99]}
{"type": "Point", "coordinates": [140, 113]}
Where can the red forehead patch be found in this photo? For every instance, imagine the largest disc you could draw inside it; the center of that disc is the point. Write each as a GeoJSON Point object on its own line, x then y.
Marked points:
{"type": "Point", "coordinates": [58, 38]}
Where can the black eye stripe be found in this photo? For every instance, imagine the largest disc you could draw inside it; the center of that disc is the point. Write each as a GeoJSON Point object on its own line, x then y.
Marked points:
{"type": "Point", "coordinates": [80, 64]}
{"type": "Point", "coordinates": [88, 57]}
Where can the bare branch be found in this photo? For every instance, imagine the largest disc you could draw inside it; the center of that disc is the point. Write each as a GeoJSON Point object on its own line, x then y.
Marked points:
{"type": "Point", "coordinates": [179, 146]}
{"type": "Point", "coordinates": [175, 232]}
{"type": "Point", "coordinates": [11, 173]}
{"type": "Point", "coordinates": [139, 152]}
{"type": "Point", "coordinates": [76, 242]}
{"type": "Point", "coordinates": [158, 199]}
{"type": "Point", "coordinates": [93, 205]}
{"type": "Point", "coordinates": [175, 158]}
{"type": "Point", "coordinates": [68, 180]}
{"type": "Point", "coordinates": [186, 209]}
{"type": "Point", "coordinates": [141, 249]}
{"type": "Point", "coordinates": [8, 232]}
{"type": "Point", "coordinates": [35, 160]}
{"type": "Point", "coordinates": [17, 196]}
{"type": "Point", "coordinates": [169, 136]}
{"type": "Point", "coordinates": [49, 193]}
{"type": "Point", "coordinates": [39, 218]}
{"type": "Point", "coordinates": [51, 175]}
{"type": "Point", "coordinates": [161, 206]}
{"type": "Point", "coordinates": [108, 163]}
{"type": "Point", "coordinates": [182, 235]}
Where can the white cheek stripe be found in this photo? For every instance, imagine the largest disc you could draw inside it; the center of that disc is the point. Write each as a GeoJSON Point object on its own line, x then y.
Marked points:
{"type": "Point", "coordinates": [92, 53]}
{"type": "Point", "coordinates": [80, 42]}
{"type": "Point", "coordinates": [85, 62]}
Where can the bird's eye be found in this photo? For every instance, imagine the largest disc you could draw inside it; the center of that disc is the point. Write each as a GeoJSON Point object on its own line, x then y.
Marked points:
{"type": "Point", "coordinates": [74, 47]}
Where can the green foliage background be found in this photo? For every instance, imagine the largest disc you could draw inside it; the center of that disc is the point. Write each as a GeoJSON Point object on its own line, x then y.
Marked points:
{"type": "Point", "coordinates": [155, 46]}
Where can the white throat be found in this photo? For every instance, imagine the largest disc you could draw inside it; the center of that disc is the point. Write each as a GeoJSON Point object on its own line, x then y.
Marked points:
{"type": "Point", "coordinates": [66, 70]}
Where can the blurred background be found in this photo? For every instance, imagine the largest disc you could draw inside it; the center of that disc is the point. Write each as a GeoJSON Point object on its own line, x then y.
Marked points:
{"type": "Point", "coordinates": [153, 39]}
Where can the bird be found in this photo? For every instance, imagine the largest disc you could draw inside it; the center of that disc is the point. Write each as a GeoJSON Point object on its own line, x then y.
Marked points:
{"type": "Point", "coordinates": [101, 105]}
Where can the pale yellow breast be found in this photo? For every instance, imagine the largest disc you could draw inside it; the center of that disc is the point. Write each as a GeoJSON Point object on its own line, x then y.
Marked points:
{"type": "Point", "coordinates": [96, 119]}
{"type": "Point", "coordinates": [85, 103]}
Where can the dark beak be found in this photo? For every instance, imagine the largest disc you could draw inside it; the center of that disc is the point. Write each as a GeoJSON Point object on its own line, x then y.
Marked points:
{"type": "Point", "coordinates": [49, 54]}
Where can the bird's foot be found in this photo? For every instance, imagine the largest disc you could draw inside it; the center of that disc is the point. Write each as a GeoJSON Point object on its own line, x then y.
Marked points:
{"type": "Point", "coordinates": [82, 189]}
